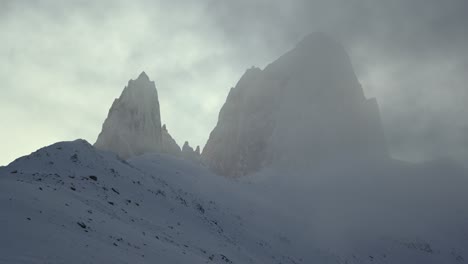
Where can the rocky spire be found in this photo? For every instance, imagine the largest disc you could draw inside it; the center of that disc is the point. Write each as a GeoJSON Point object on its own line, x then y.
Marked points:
{"type": "Point", "coordinates": [143, 76]}
{"type": "Point", "coordinates": [189, 154]}
{"type": "Point", "coordinates": [304, 108]}
{"type": "Point", "coordinates": [133, 125]}
{"type": "Point", "coordinates": [186, 147]}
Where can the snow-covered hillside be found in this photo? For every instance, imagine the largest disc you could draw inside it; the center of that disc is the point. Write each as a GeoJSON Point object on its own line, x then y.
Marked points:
{"type": "Point", "coordinates": [70, 203]}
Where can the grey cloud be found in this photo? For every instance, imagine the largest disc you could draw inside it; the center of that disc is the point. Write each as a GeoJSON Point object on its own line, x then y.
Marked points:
{"type": "Point", "coordinates": [411, 55]}
{"type": "Point", "coordinates": [67, 61]}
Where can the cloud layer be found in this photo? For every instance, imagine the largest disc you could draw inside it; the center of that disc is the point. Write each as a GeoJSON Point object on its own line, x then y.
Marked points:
{"type": "Point", "coordinates": [62, 63]}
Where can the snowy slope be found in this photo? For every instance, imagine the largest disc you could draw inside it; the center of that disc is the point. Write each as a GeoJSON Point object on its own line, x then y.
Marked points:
{"type": "Point", "coordinates": [365, 212]}
{"type": "Point", "coordinates": [70, 203]}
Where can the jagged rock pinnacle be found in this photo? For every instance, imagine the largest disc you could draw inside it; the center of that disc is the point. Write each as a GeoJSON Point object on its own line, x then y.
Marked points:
{"type": "Point", "coordinates": [189, 154]}
{"type": "Point", "coordinates": [305, 107]}
{"type": "Point", "coordinates": [133, 125]}
{"type": "Point", "coordinates": [143, 76]}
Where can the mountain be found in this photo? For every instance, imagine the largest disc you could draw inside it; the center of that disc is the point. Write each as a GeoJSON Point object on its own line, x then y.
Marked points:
{"type": "Point", "coordinates": [302, 109]}
{"type": "Point", "coordinates": [320, 185]}
{"type": "Point", "coordinates": [133, 125]}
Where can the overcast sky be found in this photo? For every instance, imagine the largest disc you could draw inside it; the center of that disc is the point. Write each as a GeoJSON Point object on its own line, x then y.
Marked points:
{"type": "Point", "coordinates": [62, 63]}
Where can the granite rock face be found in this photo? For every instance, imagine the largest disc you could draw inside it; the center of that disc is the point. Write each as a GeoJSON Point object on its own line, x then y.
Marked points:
{"type": "Point", "coordinates": [133, 125]}
{"type": "Point", "coordinates": [304, 108]}
{"type": "Point", "coordinates": [170, 146]}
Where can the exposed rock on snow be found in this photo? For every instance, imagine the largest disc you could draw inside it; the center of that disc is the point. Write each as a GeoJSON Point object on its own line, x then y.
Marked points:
{"type": "Point", "coordinates": [189, 154]}
{"type": "Point", "coordinates": [305, 107]}
{"type": "Point", "coordinates": [133, 125]}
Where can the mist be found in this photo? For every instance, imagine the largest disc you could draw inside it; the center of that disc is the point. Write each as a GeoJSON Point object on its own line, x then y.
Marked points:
{"type": "Point", "coordinates": [77, 57]}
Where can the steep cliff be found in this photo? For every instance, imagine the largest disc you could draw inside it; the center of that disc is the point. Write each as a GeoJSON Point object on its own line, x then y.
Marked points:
{"type": "Point", "coordinates": [133, 125]}
{"type": "Point", "coordinates": [304, 108]}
